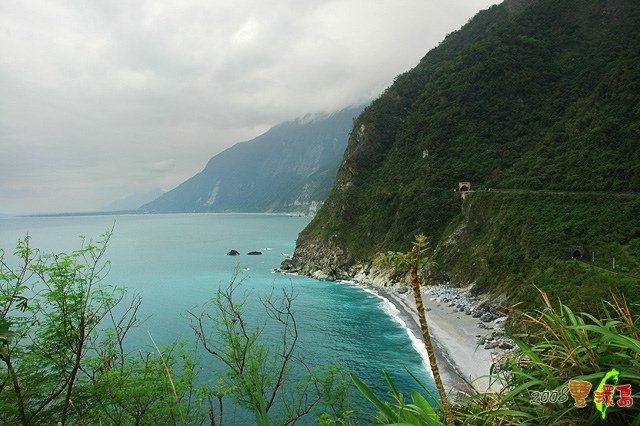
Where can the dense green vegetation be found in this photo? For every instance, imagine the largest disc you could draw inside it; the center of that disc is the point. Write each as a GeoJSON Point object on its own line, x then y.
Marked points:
{"type": "Point", "coordinates": [560, 346]}
{"type": "Point", "coordinates": [532, 95]}
{"type": "Point", "coordinates": [558, 349]}
{"type": "Point", "coordinates": [508, 242]}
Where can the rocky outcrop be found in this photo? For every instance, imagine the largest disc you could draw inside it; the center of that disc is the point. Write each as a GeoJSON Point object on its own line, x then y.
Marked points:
{"type": "Point", "coordinates": [233, 253]}
{"type": "Point", "coordinates": [330, 262]}
{"type": "Point", "coordinates": [322, 261]}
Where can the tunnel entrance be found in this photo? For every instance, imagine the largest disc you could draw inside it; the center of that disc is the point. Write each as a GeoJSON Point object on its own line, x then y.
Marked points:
{"type": "Point", "coordinates": [578, 253]}
{"type": "Point", "coordinates": [464, 186]}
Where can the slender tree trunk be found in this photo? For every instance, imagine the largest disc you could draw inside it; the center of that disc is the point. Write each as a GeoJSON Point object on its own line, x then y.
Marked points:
{"type": "Point", "coordinates": [415, 284]}
{"type": "Point", "coordinates": [212, 416]}
{"type": "Point", "coordinates": [17, 389]}
{"type": "Point", "coordinates": [67, 399]}
{"type": "Point", "coordinates": [74, 373]}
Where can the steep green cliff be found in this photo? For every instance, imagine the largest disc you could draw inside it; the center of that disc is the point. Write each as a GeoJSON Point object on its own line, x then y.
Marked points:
{"type": "Point", "coordinates": [532, 95]}
{"type": "Point", "coordinates": [564, 243]}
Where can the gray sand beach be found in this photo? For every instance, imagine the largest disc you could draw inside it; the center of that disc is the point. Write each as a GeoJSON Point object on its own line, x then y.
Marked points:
{"type": "Point", "coordinates": [454, 335]}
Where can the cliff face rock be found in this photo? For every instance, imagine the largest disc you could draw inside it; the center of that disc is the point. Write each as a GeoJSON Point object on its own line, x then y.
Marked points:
{"type": "Point", "coordinates": [322, 261]}
{"type": "Point", "coordinates": [531, 96]}
{"type": "Point", "coordinates": [329, 262]}
{"type": "Point", "coordinates": [290, 168]}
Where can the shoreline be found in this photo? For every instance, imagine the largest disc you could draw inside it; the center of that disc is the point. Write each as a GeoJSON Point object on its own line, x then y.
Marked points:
{"type": "Point", "coordinates": [454, 337]}
{"type": "Point", "coordinates": [407, 317]}
{"type": "Point", "coordinates": [467, 336]}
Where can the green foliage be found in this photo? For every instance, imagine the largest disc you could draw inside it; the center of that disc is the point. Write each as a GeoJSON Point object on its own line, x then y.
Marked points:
{"type": "Point", "coordinates": [539, 95]}
{"type": "Point", "coordinates": [508, 242]}
{"type": "Point", "coordinates": [419, 412]}
{"type": "Point", "coordinates": [154, 387]}
{"type": "Point", "coordinates": [62, 352]}
{"type": "Point", "coordinates": [417, 256]}
{"type": "Point", "coordinates": [63, 358]}
{"type": "Point", "coordinates": [261, 376]}
{"type": "Point", "coordinates": [558, 346]}
{"type": "Point", "coordinates": [415, 259]}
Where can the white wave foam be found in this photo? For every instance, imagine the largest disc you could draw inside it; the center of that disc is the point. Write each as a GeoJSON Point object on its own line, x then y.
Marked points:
{"type": "Point", "coordinates": [390, 309]}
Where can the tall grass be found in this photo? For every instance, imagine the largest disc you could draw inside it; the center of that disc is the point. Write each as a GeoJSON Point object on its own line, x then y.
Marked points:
{"type": "Point", "coordinates": [557, 346]}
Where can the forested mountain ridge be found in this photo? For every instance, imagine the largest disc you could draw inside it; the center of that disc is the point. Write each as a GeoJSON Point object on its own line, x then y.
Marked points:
{"type": "Point", "coordinates": [290, 168]}
{"type": "Point", "coordinates": [528, 95]}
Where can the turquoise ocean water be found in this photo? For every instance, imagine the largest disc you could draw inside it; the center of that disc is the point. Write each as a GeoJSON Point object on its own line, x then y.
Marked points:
{"type": "Point", "coordinates": [176, 262]}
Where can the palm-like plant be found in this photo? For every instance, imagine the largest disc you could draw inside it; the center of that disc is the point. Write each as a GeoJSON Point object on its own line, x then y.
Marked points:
{"type": "Point", "coordinates": [414, 260]}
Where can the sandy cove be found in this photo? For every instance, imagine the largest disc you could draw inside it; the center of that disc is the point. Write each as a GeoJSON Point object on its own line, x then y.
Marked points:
{"type": "Point", "coordinates": [467, 337]}
{"type": "Point", "coordinates": [454, 334]}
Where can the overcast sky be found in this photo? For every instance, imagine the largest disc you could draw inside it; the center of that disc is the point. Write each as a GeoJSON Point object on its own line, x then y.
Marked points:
{"type": "Point", "coordinates": [100, 99]}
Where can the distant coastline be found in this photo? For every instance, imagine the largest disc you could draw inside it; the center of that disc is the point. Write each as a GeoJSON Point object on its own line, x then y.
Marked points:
{"type": "Point", "coordinates": [143, 212]}
{"type": "Point", "coordinates": [72, 214]}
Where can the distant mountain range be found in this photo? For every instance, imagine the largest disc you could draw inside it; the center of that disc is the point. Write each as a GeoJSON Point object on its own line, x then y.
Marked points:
{"type": "Point", "coordinates": [290, 168]}
{"type": "Point", "coordinates": [133, 201]}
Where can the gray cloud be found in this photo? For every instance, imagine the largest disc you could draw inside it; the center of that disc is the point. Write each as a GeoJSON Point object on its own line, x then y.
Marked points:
{"type": "Point", "coordinates": [163, 166]}
{"type": "Point", "coordinates": [104, 98]}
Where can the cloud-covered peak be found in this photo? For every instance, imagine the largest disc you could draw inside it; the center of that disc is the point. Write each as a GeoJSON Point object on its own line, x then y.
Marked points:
{"type": "Point", "coordinates": [95, 92]}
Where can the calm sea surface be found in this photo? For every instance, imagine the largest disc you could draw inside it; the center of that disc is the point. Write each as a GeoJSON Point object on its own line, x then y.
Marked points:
{"type": "Point", "coordinates": [176, 262]}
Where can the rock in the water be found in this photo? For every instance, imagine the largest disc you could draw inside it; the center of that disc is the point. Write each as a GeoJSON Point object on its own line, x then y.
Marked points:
{"type": "Point", "coordinates": [233, 253]}
{"type": "Point", "coordinates": [403, 290]}
{"type": "Point", "coordinates": [477, 313]}
{"type": "Point", "coordinates": [254, 253]}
